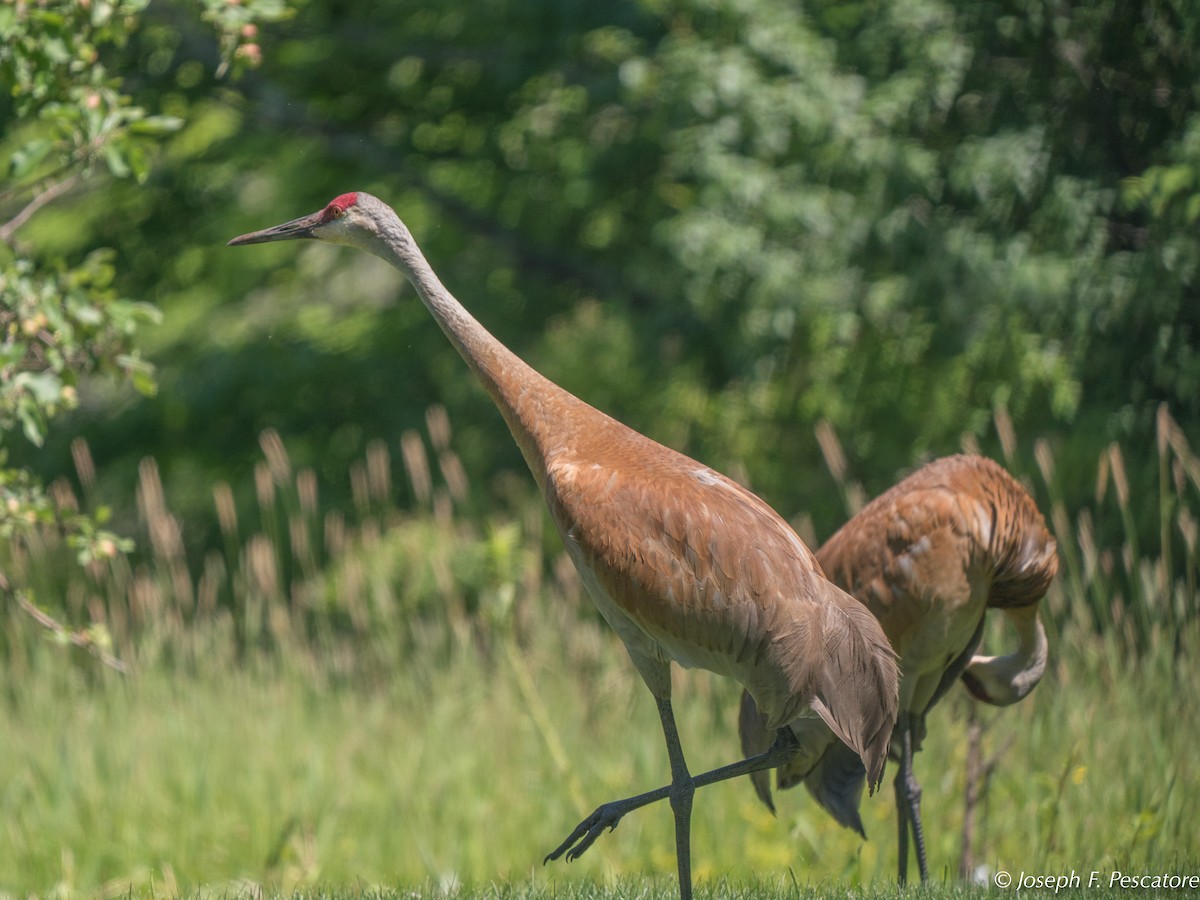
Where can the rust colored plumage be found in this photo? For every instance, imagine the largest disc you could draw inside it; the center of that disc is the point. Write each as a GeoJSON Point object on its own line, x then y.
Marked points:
{"type": "Point", "coordinates": [928, 558]}
{"type": "Point", "coordinates": [659, 540]}
{"type": "Point", "coordinates": [683, 563]}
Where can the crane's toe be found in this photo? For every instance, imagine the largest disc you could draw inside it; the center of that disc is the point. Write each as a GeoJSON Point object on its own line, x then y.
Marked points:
{"type": "Point", "coordinates": [578, 841]}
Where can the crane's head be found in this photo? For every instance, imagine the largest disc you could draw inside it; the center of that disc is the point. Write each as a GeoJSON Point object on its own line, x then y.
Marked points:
{"type": "Point", "coordinates": [353, 219]}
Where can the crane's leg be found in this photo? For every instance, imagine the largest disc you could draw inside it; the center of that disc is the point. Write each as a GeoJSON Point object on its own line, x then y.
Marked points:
{"type": "Point", "coordinates": [609, 815]}
{"type": "Point", "coordinates": [908, 805]}
{"type": "Point", "coordinates": [682, 791]}
{"type": "Point", "coordinates": [902, 803]}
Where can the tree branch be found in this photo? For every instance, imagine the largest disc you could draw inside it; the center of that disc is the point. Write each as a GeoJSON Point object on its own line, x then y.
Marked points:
{"type": "Point", "coordinates": [79, 638]}
{"type": "Point", "coordinates": [50, 194]}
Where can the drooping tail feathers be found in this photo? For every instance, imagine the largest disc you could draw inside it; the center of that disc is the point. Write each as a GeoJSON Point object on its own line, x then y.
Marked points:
{"type": "Point", "coordinates": [832, 772]}
{"type": "Point", "coordinates": [858, 687]}
{"type": "Point", "coordinates": [756, 738]}
{"type": "Point", "coordinates": [836, 783]}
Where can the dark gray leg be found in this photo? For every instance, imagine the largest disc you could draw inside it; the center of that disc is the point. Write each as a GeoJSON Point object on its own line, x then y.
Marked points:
{"type": "Point", "coordinates": [609, 815]}
{"type": "Point", "coordinates": [683, 788]}
{"type": "Point", "coordinates": [908, 805]}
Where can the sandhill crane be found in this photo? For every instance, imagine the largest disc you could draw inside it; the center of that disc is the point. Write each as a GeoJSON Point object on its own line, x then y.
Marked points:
{"type": "Point", "coordinates": [928, 557]}
{"type": "Point", "coordinates": [683, 563]}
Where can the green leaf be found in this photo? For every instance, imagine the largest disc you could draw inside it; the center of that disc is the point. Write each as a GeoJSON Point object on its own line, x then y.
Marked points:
{"type": "Point", "coordinates": [1176, 179]}
{"type": "Point", "coordinates": [146, 312]}
{"type": "Point", "coordinates": [138, 163]}
{"type": "Point", "coordinates": [23, 161]}
{"type": "Point", "coordinates": [89, 315]}
{"type": "Point", "coordinates": [31, 423]}
{"type": "Point", "coordinates": [140, 374]}
{"type": "Point", "coordinates": [156, 125]}
{"type": "Point", "coordinates": [1193, 209]}
{"type": "Point", "coordinates": [44, 387]}
{"type": "Point", "coordinates": [115, 161]}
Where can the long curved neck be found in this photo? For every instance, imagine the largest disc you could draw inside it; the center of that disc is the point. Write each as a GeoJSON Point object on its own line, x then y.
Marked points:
{"type": "Point", "coordinates": [521, 393]}
{"type": "Point", "coordinates": [1001, 680]}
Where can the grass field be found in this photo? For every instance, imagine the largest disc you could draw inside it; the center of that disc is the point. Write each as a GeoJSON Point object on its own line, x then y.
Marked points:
{"type": "Point", "coordinates": [426, 707]}
{"type": "Point", "coordinates": [241, 777]}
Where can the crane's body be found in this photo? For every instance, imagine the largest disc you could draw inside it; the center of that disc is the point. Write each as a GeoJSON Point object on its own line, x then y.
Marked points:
{"type": "Point", "coordinates": [658, 540]}
{"type": "Point", "coordinates": [683, 563]}
{"type": "Point", "coordinates": [928, 558]}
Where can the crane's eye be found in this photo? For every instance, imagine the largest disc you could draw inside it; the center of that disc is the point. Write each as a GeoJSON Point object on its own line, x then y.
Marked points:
{"type": "Point", "coordinates": [336, 208]}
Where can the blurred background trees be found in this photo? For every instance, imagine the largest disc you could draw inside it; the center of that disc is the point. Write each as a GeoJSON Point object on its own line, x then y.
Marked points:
{"type": "Point", "coordinates": [71, 130]}
{"type": "Point", "coordinates": [723, 223]}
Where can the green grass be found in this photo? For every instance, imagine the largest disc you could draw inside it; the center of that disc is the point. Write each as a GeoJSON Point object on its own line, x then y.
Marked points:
{"type": "Point", "coordinates": [413, 705]}
{"type": "Point", "coordinates": [257, 775]}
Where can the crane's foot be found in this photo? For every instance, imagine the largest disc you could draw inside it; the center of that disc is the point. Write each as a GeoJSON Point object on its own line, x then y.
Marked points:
{"type": "Point", "coordinates": [578, 841]}
{"type": "Point", "coordinates": [609, 815]}
{"type": "Point", "coordinates": [605, 816]}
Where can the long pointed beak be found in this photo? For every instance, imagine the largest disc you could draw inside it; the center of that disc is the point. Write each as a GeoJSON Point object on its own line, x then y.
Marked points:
{"type": "Point", "coordinates": [289, 231]}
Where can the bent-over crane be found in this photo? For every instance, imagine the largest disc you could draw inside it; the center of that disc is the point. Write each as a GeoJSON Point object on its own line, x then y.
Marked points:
{"type": "Point", "coordinates": [683, 563]}
{"type": "Point", "coordinates": [928, 558]}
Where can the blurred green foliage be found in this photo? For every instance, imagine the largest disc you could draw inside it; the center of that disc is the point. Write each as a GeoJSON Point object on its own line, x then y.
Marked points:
{"type": "Point", "coordinates": [721, 222]}
{"type": "Point", "coordinates": [67, 119]}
